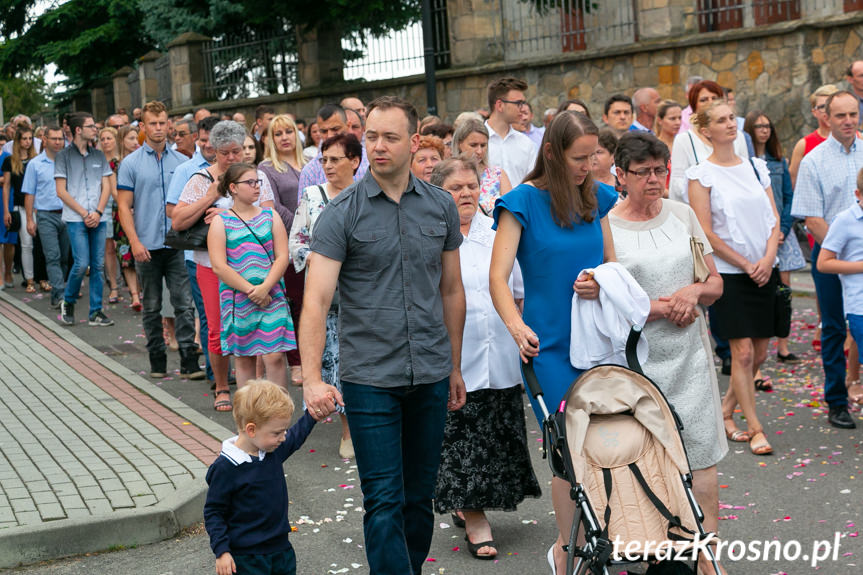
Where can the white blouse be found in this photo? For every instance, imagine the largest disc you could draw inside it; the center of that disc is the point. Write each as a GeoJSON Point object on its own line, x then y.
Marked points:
{"type": "Point", "coordinates": [689, 150]}
{"type": "Point", "coordinates": [740, 211]}
{"type": "Point", "coordinates": [489, 358]}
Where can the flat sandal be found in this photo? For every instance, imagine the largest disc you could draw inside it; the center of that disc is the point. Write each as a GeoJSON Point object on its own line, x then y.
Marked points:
{"type": "Point", "coordinates": [764, 449]}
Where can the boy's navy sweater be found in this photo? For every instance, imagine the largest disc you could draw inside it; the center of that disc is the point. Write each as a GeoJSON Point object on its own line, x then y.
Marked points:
{"type": "Point", "coordinates": [246, 512]}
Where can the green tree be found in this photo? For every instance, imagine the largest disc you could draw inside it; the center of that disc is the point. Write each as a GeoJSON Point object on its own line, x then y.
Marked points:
{"type": "Point", "coordinates": [23, 94]}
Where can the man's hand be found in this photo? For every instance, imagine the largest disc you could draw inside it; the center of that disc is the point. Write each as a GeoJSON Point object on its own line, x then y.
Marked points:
{"type": "Point", "coordinates": [225, 564]}
{"type": "Point", "coordinates": [320, 397]}
{"type": "Point", "coordinates": [212, 213]}
{"type": "Point", "coordinates": [457, 391]}
{"type": "Point", "coordinates": [91, 220]}
{"type": "Point", "coordinates": [139, 252]}
{"type": "Point", "coordinates": [31, 227]}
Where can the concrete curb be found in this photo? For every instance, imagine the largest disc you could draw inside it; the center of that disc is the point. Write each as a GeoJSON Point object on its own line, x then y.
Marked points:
{"type": "Point", "coordinates": [183, 508]}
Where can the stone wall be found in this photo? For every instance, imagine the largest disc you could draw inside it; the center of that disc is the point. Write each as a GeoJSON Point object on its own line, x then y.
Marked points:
{"type": "Point", "coordinates": [773, 68]}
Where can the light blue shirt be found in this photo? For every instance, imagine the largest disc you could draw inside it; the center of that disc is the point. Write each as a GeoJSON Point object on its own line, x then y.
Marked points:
{"type": "Point", "coordinates": [845, 239]}
{"type": "Point", "coordinates": [313, 173]}
{"type": "Point", "coordinates": [39, 182]}
{"type": "Point", "coordinates": [178, 181]}
{"type": "Point", "coordinates": [827, 179]}
{"type": "Point", "coordinates": [147, 176]}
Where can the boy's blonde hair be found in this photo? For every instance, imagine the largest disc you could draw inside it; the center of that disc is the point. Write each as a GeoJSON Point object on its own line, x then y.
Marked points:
{"type": "Point", "coordinates": [259, 401]}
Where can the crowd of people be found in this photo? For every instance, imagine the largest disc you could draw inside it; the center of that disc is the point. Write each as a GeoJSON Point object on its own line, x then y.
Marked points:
{"type": "Point", "coordinates": [401, 268]}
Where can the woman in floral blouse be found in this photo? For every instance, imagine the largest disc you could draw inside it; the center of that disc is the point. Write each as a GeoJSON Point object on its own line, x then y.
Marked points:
{"type": "Point", "coordinates": [340, 156]}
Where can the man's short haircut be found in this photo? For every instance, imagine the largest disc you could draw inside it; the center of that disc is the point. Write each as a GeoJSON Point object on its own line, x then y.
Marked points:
{"type": "Point", "coordinates": [638, 147]}
{"type": "Point", "coordinates": [390, 102]}
{"type": "Point", "coordinates": [53, 128]}
{"type": "Point", "coordinates": [822, 91]}
{"type": "Point", "coordinates": [499, 88]}
{"type": "Point", "coordinates": [154, 108]}
{"type": "Point", "coordinates": [835, 95]}
{"type": "Point", "coordinates": [260, 401]}
{"type": "Point", "coordinates": [439, 130]}
{"type": "Point", "coordinates": [617, 98]}
{"type": "Point", "coordinates": [263, 110]}
{"type": "Point", "coordinates": [849, 71]}
{"type": "Point", "coordinates": [327, 110]}
{"type": "Point", "coordinates": [193, 127]}
{"type": "Point", "coordinates": [208, 123]}
{"type": "Point", "coordinates": [608, 140]}
{"type": "Point", "coordinates": [76, 120]}
{"type": "Point", "coordinates": [641, 97]}
{"type": "Point", "coordinates": [355, 113]}
{"type": "Point", "coordinates": [443, 170]}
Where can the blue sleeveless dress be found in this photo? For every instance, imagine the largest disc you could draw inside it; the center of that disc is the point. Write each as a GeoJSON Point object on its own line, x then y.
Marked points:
{"type": "Point", "coordinates": [551, 257]}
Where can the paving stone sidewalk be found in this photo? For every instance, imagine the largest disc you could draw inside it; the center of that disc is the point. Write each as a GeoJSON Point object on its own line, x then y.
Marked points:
{"type": "Point", "coordinates": [91, 455]}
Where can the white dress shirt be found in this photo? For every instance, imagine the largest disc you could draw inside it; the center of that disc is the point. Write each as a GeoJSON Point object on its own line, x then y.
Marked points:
{"type": "Point", "coordinates": [489, 358]}
{"type": "Point", "coordinates": [515, 153]}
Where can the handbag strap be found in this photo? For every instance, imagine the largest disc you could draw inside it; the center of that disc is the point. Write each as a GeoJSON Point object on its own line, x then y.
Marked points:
{"type": "Point", "coordinates": [323, 194]}
{"type": "Point", "coordinates": [692, 143]}
{"type": "Point", "coordinates": [266, 251]}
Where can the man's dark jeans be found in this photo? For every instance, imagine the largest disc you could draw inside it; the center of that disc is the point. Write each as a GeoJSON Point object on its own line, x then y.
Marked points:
{"type": "Point", "coordinates": [828, 290]}
{"type": "Point", "coordinates": [167, 265]}
{"type": "Point", "coordinates": [397, 435]}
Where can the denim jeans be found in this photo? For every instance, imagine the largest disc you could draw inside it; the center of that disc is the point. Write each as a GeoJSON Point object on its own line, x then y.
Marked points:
{"type": "Point", "coordinates": [167, 265]}
{"type": "Point", "coordinates": [723, 348]}
{"type": "Point", "coordinates": [828, 290]}
{"type": "Point", "coordinates": [88, 250]}
{"type": "Point", "coordinates": [855, 326]}
{"type": "Point", "coordinates": [397, 434]}
{"type": "Point", "coordinates": [192, 270]}
{"type": "Point", "coordinates": [55, 246]}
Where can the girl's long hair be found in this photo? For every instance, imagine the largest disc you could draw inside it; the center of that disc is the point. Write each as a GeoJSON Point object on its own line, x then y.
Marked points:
{"type": "Point", "coordinates": [17, 162]}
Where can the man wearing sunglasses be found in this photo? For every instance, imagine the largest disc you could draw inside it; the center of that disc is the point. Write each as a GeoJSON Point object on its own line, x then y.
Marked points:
{"type": "Point", "coordinates": [508, 148]}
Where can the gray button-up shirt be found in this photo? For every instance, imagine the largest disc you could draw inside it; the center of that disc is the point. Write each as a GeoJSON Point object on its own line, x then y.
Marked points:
{"type": "Point", "coordinates": [83, 175]}
{"type": "Point", "coordinates": [391, 328]}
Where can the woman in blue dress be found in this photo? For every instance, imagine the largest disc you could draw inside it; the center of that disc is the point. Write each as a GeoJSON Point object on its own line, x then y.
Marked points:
{"type": "Point", "coordinates": [556, 225]}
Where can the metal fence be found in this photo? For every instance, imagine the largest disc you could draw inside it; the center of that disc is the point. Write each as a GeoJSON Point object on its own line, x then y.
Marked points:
{"type": "Point", "coordinates": [536, 28]}
{"type": "Point", "coordinates": [163, 77]}
{"type": "Point", "coordinates": [250, 65]}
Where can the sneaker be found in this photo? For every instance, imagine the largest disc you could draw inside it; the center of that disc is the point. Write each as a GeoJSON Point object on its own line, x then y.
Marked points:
{"type": "Point", "coordinates": [158, 365]}
{"type": "Point", "coordinates": [55, 302]}
{"type": "Point", "coordinates": [190, 368]}
{"type": "Point", "coordinates": [67, 313]}
{"type": "Point", "coordinates": [99, 319]}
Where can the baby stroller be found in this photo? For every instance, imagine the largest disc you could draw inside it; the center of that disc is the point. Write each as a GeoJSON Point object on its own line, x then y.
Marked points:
{"type": "Point", "coordinates": [616, 440]}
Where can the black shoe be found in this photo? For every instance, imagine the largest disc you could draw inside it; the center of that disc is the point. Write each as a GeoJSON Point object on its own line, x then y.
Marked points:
{"type": "Point", "coordinates": [158, 365]}
{"type": "Point", "coordinates": [55, 302]}
{"type": "Point", "coordinates": [67, 313]}
{"type": "Point", "coordinates": [99, 319]}
{"type": "Point", "coordinates": [839, 417]}
{"type": "Point", "coordinates": [726, 366]}
{"type": "Point", "coordinates": [189, 366]}
{"type": "Point", "coordinates": [790, 357]}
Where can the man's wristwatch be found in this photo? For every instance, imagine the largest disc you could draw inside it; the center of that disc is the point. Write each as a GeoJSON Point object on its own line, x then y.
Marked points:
{"type": "Point", "coordinates": [98, 212]}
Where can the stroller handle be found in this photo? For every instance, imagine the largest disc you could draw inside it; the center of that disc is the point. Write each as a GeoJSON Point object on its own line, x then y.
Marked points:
{"type": "Point", "coordinates": [530, 378]}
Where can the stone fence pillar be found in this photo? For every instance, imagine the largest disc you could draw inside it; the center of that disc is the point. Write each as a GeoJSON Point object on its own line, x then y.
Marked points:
{"type": "Point", "coordinates": [476, 36]}
{"type": "Point", "coordinates": [319, 56]}
{"type": "Point", "coordinates": [122, 98]}
{"type": "Point", "coordinates": [187, 69]}
{"type": "Point", "coordinates": [147, 80]}
{"type": "Point", "coordinates": [99, 103]}
{"type": "Point", "coordinates": [663, 18]}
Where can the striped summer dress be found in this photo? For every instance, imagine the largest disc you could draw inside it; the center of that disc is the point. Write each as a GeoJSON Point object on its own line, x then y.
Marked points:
{"type": "Point", "coordinates": [247, 329]}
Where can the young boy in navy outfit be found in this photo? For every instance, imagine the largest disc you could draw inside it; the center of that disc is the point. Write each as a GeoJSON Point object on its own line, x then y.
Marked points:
{"type": "Point", "coordinates": [842, 253]}
{"type": "Point", "coordinates": [246, 513]}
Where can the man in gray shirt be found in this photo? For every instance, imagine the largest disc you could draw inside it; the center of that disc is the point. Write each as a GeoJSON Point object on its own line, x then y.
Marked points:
{"type": "Point", "coordinates": [390, 242]}
{"type": "Point", "coordinates": [84, 178]}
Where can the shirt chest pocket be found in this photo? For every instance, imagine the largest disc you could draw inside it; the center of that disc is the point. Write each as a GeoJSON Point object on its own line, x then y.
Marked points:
{"type": "Point", "coordinates": [432, 240]}
{"type": "Point", "coordinates": [371, 249]}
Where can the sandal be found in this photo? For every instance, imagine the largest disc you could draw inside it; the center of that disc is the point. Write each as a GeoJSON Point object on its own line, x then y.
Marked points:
{"type": "Point", "coordinates": [114, 297]}
{"type": "Point", "coordinates": [45, 285]}
{"type": "Point", "coordinates": [31, 287]}
{"type": "Point", "coordinates": [763, 384]}
{"type": "Point", "coordinates": [475, 547]}
{"type": "Point", "coordinates": [223, 404]}
{"type": "Point", "coordinates": [136, 306]}
{"type": "Point", "coordinates": [855, 391]}
{"type": "Point", "coordinates": [762, 449]}
{"type": "Point", "coordinates": [734, 434]}
{"type": "Point", "coordinates": [457, 521]}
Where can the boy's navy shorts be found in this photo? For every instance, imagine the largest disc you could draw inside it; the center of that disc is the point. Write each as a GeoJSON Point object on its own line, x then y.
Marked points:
{"type": "Point", "coordinates": [279, 563]}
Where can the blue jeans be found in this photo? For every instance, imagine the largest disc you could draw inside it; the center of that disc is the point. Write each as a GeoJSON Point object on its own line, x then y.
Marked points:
{"type": "Point", "coordinates": [828, 290]}
{"type": "Point", "coordinates": [397, 434]}
{"type": "Point", "coordinates": [279, 563]}
{"type": "Point", "coordinates": [855, 326]}
{"type": "Point", "coordinates": [55, 247]}
{"type": "Point", "coordinates": [88, 250]}
{"type": "Point", "coordinates": [723, 348]}
{"type": "Point", "coordinates": [192, 269]}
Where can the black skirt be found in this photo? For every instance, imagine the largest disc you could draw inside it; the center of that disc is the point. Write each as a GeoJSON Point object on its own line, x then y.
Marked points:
{"type": "Point", "coordinates": [745, 310]}
{"type": "Point", "coordinates": [485, 463]}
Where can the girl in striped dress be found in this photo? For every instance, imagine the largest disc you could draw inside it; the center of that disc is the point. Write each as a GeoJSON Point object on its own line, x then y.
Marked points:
{"type": "Point", "coordinates": [249, 251]}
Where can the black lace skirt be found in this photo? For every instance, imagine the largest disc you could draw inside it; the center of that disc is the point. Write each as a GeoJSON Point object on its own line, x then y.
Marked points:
{"type": "Point", "coordinates": [485, 463]}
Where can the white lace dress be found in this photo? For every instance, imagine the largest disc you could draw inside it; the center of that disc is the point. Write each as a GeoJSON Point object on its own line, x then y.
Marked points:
{"type": "Point", "coordinates": [658, 256]}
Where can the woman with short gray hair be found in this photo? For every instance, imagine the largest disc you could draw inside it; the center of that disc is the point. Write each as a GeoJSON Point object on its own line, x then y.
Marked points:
{"type": "Point", "coordinates": [201, 199]}
{"type": "Point", "coordinates": [471, 141]}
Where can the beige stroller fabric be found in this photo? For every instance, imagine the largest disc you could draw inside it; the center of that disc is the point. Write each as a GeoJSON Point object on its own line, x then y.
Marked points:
{"type": "Point", "coordinates": [601, 433]}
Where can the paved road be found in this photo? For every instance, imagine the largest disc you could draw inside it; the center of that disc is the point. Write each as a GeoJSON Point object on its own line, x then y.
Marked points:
{"type": "Point", "coordinates": [809, 490]}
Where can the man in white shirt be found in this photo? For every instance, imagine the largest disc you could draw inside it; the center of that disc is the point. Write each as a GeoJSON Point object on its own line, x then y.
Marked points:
{"type": "Point", "coordinates": [617, 114]}
{"type": "Point", "coordinates": [507, 147]}
{"type": "Point", "coordinates": [646, 102]}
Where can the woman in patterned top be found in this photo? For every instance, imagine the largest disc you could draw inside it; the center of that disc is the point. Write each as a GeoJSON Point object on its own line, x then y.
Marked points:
{"type": "Point", "coordinates": [471, 141]}
{"type": "Point", "coordinates": [340, 156]}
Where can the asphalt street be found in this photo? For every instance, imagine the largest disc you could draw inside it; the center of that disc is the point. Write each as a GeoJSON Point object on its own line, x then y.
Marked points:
{"type": "Point", "coordinates": [808, 491]}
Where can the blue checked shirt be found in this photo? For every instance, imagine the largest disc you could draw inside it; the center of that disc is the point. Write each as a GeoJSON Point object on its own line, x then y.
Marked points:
{"type": "Point", "coordinates": [827, 179]}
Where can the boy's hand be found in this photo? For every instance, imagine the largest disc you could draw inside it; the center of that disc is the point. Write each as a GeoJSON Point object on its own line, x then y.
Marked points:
{"type": "Point", "coordinates": [225, 564]}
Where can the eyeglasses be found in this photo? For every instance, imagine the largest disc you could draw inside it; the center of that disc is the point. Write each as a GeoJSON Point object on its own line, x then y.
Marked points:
{"type": "Point", "coordinates": [89, 126]}
{"type": "Point", "coordinates": [519, 103]}
{"type": "Point", "coordinates": [761, 126]}
{"type": "Point", "coordinates": [644, 173]}
{"type": "Point", "coordinates": [182, 134]}
{"type": "Point", "coordinates": [253, 183]}
{"type": "Point", "coordinates": [324, 160]}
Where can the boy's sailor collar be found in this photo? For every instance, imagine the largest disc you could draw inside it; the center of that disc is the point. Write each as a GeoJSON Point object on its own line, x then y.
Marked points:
{"type": "Point", "coordinates": [236, 455]}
